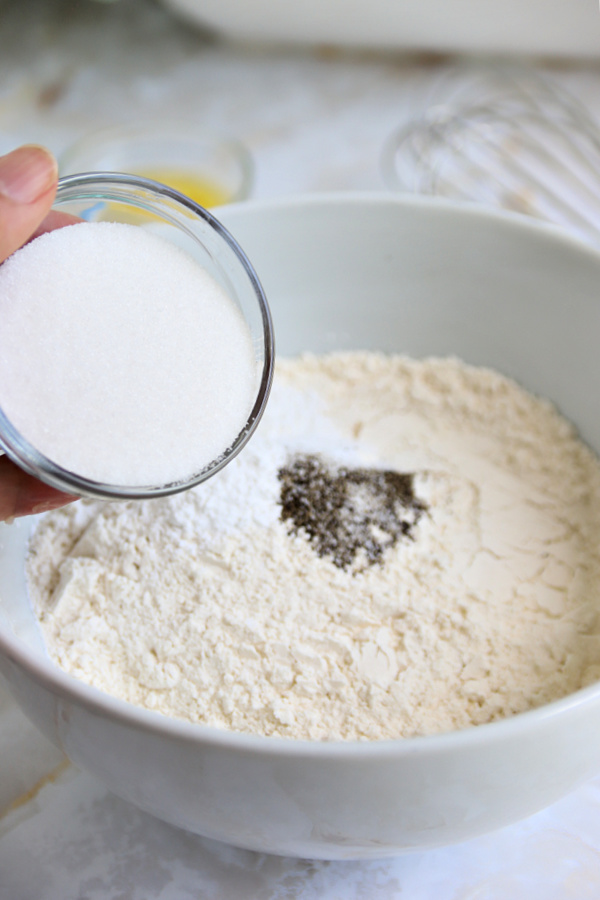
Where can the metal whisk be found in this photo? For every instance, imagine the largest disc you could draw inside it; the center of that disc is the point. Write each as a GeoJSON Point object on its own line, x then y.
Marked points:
{"type": "Point", "coordinates": [525, 146]}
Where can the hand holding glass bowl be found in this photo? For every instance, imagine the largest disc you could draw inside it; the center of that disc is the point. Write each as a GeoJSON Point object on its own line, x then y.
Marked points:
{"type": "Point", "coordinates": [188, 226]}
{"type": "Point", "coordinates": [28, 181]}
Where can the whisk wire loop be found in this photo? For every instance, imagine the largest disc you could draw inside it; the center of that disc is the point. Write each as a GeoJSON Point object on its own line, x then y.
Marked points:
{"type": "Point", "coordinates": [530, 147]}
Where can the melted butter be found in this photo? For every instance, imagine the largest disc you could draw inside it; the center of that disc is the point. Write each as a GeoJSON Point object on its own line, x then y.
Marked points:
{"type": "Point", "coordinates": [198, 188]}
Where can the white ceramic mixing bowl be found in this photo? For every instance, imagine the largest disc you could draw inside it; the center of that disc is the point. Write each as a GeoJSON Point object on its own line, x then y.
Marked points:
{"type": "Point", "coordinates": [372, 272]}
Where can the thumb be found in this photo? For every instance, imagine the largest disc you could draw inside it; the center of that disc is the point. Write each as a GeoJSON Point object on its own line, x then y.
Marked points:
{"type": "Point", "coordinates": [28, 178]}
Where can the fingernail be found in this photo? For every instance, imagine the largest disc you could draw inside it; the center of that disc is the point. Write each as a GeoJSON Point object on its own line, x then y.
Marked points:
{"type": "Point", "coordinates": [26, 173]}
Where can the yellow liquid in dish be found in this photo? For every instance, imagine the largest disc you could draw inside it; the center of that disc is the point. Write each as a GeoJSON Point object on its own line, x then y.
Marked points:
{"type": "Point", "coordinates": [199, 189]}
{"type": "Point", "coordinates": [202, 191]}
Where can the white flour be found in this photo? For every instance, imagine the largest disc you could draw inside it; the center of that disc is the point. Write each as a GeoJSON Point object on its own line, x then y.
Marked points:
{"type": "Point", "coordinates": [211, 607]}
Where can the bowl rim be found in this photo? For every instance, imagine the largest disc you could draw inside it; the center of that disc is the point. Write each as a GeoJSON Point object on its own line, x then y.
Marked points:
{"type": "Point", "coordinates": [43, 670]}
{"type": "Point", "coordinates": [405, 198]}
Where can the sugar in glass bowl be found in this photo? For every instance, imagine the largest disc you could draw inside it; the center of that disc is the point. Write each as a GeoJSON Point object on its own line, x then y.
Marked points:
{"type": "Point", "coordinates": [178, 220]}
{"type": "Point", "coordinates": [423, 277]}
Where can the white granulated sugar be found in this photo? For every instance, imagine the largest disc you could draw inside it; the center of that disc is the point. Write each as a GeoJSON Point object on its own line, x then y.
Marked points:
{"type": "Point", "coordinates": [215, 606]}
{"type": "Point", "coordinates": [121, 358]}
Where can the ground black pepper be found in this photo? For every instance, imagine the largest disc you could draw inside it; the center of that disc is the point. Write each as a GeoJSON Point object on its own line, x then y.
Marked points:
{"type": "Point", "coordinates": [351, 515]}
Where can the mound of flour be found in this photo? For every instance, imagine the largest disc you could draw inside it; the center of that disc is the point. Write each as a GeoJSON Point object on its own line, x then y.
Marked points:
{"type": "Point", "coordinates": [405, 547]}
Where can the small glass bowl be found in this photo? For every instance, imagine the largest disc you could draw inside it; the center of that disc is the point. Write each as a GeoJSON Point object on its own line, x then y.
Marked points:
{"type": "Point", "coordinates": [210, 169]}
{"type": "Point", "coordinates": [115, 197]}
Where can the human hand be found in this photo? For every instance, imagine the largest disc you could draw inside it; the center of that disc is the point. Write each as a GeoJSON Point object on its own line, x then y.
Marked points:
{"type": "Point", "coordinates": [28, 179]}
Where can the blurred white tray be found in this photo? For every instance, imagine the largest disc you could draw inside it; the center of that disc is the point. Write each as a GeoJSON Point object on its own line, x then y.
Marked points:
{"type": "Point", "coordinates": [547, 27]}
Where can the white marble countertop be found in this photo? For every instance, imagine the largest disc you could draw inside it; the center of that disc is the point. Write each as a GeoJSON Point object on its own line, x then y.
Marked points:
{"type": "Point", "coordinates": [313, 120]}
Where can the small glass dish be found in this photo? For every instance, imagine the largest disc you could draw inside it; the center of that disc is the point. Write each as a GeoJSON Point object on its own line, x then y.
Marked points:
{"type": "Point", "coordinates": [115, 197]}
{"type": "Point", "coordinates": [210, 169]}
